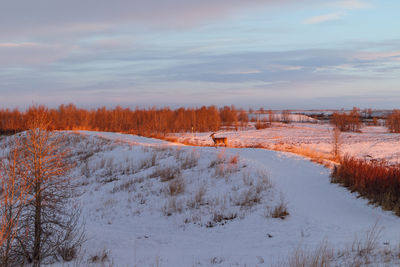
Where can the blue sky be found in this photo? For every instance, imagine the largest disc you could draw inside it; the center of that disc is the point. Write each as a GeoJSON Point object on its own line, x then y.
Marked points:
{"type": "Point", "coordinates": [275, 54]}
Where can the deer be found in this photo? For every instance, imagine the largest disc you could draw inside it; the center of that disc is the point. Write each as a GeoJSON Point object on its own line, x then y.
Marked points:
{"type": "Point", "coordinates": [219, 140]}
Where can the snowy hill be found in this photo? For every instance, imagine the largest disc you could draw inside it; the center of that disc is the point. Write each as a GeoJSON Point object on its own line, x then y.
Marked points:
{"type": "Point", "coordinates": [147, 202]}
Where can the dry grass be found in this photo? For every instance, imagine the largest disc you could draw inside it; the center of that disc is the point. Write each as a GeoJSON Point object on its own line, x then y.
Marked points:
{"type": "Point", "coordinates": [223, 166]}
{"type": "Point", "coordinates": [128, 186]}
{"type": "Point", "coordinates": [364, 252]}
{"type": "Point", "coordinates": [248, 198]}
{"type": "Point", "coordinates": [220, 218]}
{"type": "Point", "coordinates": [175, 187]}
{"type": "Point", "coordinates": [173, 205]}
{"type": "Point", "coordinates": [263, 182]}
{"type": "Point", "coordinates": [262, 125]}
{"type": "Point", "coordinates": [321, 257]}
{"type": "Point", "coordinates": [325, 159]}
{"type": "Point", "coordinates": [234, 160]}
{"type": "Point", "coordinates": [166, 173]}
{"type": "Point", "coordinates": [148, 163]}
{"type": "Point", "coordinates": [197, 200]}
{"type": "Point", "coordinates": [279, 211]}
{"type": "Point", "coordinates": [190, 160]}
{"type": "Point", "coordinates": [221, 158]}
{"type": "Point", "coordinates": [369, 243]}
{"type": "Point", "coordinates": [375, 180]}
{"type": "Point", "coordinates": [100, 258]}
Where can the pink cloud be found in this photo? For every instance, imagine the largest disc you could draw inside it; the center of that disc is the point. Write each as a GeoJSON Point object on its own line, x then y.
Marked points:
{"type": "Point", "coordinates": [24, 17]}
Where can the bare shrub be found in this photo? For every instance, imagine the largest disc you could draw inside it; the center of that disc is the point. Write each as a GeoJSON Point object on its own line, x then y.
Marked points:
{"type": "Point", "coordinates": [197, 200]}
{"type": "Point", "coordinates": [234, 160]}
{"type": "Point", "coordinates": [102, 257]}
{"type": "Point", "coordinates": [224, 166]}
{"type": "Point", "coordinates": [247, 179]}
{"type": "Point", "coordinates": [166, 173]}
{"type": "Point", "coordinates": [190, 160]}
{"type": "Point", "coordinates": [128, 186]}
{"type": "Point", "coordinates": [175, 187]}
{"type": "Point", "coordinates": [248, 198]}
{"type": "Point", "coordinates": [259, 125]}
{"type": "Point", "coordinates": [173, 205]}
{"type": "Point", "coordinates": [68, 253]}
{"type": "Point", "coordinates": [336, 142]}
{"type": "Point", "coordinates": [279, 211]}
{"type": "Point", "coordinates": [220, 170]}
{"type": "Point", "coordinates": [263, 182]}
{"type": "Point", "coordinates": [221, 158]}
{"type": "Point", "coordinates": [219, 218]}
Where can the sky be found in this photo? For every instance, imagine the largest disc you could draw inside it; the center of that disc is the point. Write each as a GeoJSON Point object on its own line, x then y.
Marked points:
{"type": "Point", "coordinates": [297, 54]}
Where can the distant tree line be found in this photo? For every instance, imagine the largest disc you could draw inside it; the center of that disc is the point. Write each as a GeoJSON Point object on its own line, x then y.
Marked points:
{"type": "Point", "coordinates": [138, 121]}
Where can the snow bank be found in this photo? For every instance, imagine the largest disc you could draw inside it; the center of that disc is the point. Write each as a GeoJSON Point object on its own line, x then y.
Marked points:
{"type": "Point", "coordinates": [134, 215]}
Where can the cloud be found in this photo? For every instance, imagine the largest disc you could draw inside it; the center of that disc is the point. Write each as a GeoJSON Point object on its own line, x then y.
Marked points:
{"type": "Point", "coordinates": [324, 18]}
{"type": "Point", "coordinates": [32, 18]}
{"type": "Point", "coordinates": [352, 4]}
{"type": "Point", "coordinates": [25, 44]}
{"type": "Point", "coordinates": [12, 54]}
{"type": "Point", "coordinates": [240, 71]}
{"type": "Point", "coordinates": [378, 56]}
{"type": "Point", "coordinates": [342, 6]}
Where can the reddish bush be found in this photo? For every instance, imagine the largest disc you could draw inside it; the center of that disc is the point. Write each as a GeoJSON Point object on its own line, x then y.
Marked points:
{"type": "Point", "coordinates": [347, 121]}
{"type": "Point", "coordinates": [393, 121]}
{"type": "Point", "coordinates": [261, 125]}
{"type": "Point", "coordinates": [375, 180]}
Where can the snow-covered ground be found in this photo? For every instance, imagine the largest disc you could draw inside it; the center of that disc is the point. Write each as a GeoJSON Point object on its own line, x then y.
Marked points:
{"type": "Point", "coordinates": [148, 202]}
{"type": "Point", "coordinates": [281, 117]}
{"type": "Point", "coordinates": [373, 141]}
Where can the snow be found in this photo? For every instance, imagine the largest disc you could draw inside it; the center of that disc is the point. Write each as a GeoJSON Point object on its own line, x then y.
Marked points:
{"type": "Point", "coordinates": [280, 117]}
{"type": "Point", "coordinates": [373, 141]}
{"type": "Point", "coordinates": [126, 215]}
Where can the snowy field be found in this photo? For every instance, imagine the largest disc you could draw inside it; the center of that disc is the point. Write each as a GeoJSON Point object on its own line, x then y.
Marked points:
{"type": "Point", "coordinates": [373, 141]}
{"type": "Point", "coordinates": [281, 117]}
{"type": "Point", "coordinates": [147, 202]}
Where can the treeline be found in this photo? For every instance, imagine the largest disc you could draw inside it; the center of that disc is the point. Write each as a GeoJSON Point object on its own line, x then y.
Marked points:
{"type": "Point", "coordinates": [137, 121]}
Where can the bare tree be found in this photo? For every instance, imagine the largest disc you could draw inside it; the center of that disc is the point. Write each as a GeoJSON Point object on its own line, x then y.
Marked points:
{"type": "Point", "coordinates": [14, 195]}
{"type": "Point", "coordinates": [48, 225]}
{"type": "Point", "coordinates": [285, 116]}
{"type": "Point", "coordinates": [271, 116]}
{"type": "Point", "coordinates": [336, 142]}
